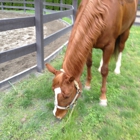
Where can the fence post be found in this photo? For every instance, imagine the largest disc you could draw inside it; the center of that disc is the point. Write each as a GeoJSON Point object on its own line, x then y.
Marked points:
{"type": "Point", "coordinates": [44, 7]}
{"type": "Point", "coordinates": [39, 34]}
{"type": "Point", "coordinates": [61, 2]}
{"type": "Point", "coordinates": [75, 5]}
{"type": "Point", "coordinates": [24, 5]}
{"type": "Point", "coordinates": [2, 5]}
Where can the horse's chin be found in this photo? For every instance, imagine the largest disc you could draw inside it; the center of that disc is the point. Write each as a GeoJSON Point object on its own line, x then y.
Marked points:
{"type": "Point", "coordinates": [60, 114]}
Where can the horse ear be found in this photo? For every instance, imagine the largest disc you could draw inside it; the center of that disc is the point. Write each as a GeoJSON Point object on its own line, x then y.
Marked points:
{"type": "Point", "coordinates": [71, 79]}
{"type": "Point", "coordinates": [51, 69]}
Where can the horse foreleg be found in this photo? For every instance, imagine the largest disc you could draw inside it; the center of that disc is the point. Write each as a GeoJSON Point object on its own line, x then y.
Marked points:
{"type": "Point", "coordinates": [107, 52]}
{"type": "Point", "coordinates": [123, 38]}
{"type": "Point", "coordinates": [104, 73]}
{"type": "Point", "coordinates": [89, 75]}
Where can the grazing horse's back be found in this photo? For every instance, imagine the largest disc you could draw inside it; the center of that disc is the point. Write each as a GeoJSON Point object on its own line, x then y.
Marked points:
{"type": "Point", "coordinates": [118, 19]}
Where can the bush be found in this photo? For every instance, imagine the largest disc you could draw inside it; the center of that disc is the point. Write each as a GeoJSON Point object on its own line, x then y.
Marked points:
{"type": "Point", "coordinates": [18, 4]}
{"type": "Point", "coordinates": [8, 4]}
{"type": "Point", "coordinates": [56, 8]}
{"type": "Point", "coordinates": [32, 5]}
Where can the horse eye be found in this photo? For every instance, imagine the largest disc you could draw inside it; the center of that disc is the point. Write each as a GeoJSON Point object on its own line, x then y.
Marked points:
{"type": "Point", "coordinates": [65, 96]}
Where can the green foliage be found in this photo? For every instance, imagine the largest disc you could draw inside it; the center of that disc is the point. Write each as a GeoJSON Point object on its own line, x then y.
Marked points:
{"type": "Point", "coordinates": [56, 8]}
{"type": "Point", "coordinates": [8, 4]}
{"type": "Point", "coordinates": [68, 2]}
{"type": "Point", "coordinates": [18, 4]}
{"type": "Point", "coordinates": [49, 7]}
{"type": "Point", "coordinates": [79, 1]}
{"type": "Point", "coordinates": [32, 5]}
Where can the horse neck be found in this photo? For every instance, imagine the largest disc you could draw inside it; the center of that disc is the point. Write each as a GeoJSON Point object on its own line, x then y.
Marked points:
{"type": "Point", "coordinates": [74, 61]}
{"type": "Point", "coordinates": [85, 32]}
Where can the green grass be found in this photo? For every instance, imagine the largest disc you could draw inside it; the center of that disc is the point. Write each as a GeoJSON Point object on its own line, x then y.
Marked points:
{"type": "Point", "coordinates": [66, 19]}
{"type": "Point", "coordinates": [26, 109]}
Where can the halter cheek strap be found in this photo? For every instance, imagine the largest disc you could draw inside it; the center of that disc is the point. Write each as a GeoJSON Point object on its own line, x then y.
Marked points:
{"type": "Point", "coordinates": [58, 91]}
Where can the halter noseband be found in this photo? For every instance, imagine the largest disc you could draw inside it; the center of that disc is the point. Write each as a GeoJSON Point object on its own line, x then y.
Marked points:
{"type": "Point", "coordinates": [58, 91]}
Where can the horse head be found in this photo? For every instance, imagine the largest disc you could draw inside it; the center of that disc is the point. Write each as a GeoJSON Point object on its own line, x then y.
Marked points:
{"type": "Point", "coordinates": [66, 91]}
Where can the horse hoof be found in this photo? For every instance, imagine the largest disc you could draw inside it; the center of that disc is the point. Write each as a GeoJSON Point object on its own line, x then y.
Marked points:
{"type": "Point", "coordinates": [87, 87]}
{"type": "Point", "coordinates": [103, 102]}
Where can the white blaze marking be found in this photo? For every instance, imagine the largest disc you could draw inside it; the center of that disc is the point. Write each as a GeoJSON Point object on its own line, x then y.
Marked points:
{"type": "Point", "coordinates": [57, 91]}
{"type": "Point", "coordinates": [118, 64]}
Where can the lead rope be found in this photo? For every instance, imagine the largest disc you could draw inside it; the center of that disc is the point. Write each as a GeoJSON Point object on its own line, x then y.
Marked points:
{"type": "Point", "coordinates": [68, 118]}
{"type": "Point", "coordinates": [77, 86]}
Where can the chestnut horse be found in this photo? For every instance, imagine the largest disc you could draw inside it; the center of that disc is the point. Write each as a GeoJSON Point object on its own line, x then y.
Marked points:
{"type": "Point", "coordinates": [102, 24]}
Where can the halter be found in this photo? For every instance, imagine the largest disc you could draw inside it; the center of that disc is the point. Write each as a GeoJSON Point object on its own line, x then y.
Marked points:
{"type": "Point", "coordinates": [58, 91]}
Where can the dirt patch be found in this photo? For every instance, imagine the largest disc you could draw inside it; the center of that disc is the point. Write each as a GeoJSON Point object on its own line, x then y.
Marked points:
{"type": "Point", "coordinates": [20, 37]}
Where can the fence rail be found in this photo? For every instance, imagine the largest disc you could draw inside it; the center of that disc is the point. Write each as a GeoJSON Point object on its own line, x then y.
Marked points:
{"type": "Point", "coordinates": [16, 23]}
{"type": "Point", "coordinates": [38, 20]}
{"type": "Point", "coordinates": [24, 7]}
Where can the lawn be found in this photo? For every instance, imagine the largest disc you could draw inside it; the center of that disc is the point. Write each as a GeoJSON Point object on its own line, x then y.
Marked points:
{"type": "Point", "coordinates": [26, 109]}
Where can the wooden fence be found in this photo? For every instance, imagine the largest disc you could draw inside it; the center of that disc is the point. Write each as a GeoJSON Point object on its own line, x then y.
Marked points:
{"type": "Point", "coordinates": [38, 20]}
{"type": "Point", "coordinates": [137, 21]}
{"type": "Point", "coordinates": [24, 5]}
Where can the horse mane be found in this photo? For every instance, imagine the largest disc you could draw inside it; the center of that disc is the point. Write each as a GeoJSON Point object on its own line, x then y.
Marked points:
{"type": "Point", "coordinates": [88, 27]}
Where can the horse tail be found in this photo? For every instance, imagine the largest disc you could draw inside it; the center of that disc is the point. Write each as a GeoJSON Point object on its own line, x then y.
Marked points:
{"type": "Point", "coordinates": [116, 49]}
